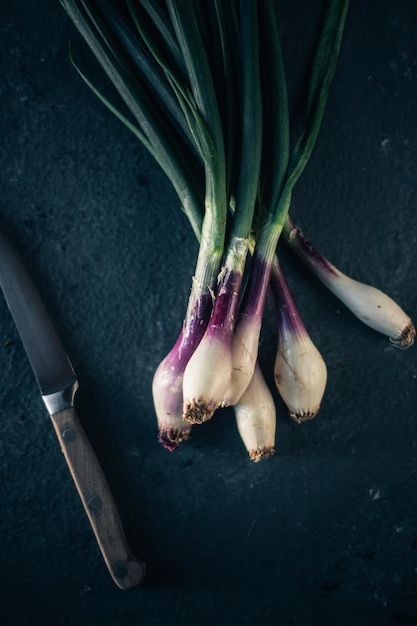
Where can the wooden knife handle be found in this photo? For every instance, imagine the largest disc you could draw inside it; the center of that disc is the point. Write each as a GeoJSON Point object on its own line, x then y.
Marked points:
{"type": "Point", "coordinates": [125, 569]}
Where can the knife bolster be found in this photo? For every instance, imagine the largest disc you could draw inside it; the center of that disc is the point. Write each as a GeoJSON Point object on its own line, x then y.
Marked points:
{"type": "Point", "coordinates": [60, 400]}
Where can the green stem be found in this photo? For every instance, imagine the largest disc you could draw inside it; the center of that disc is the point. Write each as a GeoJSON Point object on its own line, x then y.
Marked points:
{"type": "Point", "coordinates": [276, 147]}
{"type": "Point", "coordinates": [152, 127]}
{"type": "Point", "coordinates": [324, 66]}
{"type": "Point", "coordinates": [184, 17]}
{"type": "Point", "coordinates": [250, 164]}
{"type": "Point", "coordinates": [321, 77]}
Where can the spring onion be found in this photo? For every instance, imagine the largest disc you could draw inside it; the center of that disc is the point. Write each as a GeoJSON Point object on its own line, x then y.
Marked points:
{"type": "Point", "coordinates": [209, 370]}
{"type": "Point", "coordinates": [203, 87]}
{"type": "Point", "coordinates": [255, 415]}
{"type": "Point", "coordinates": [300, 372]}
{"type": "Point", "coordinates": [373, 307]}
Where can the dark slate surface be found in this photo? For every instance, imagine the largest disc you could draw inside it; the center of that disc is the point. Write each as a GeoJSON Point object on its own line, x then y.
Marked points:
{"type": "Point", "coordinates": [325, 532]}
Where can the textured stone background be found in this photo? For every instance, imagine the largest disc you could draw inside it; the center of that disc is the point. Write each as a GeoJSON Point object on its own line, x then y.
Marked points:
{"type": "Point", "coordinates": [326, 531]}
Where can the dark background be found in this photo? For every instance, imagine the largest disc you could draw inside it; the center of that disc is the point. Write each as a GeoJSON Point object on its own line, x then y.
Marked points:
{"type": "Point", "coordinates": [323, 533]}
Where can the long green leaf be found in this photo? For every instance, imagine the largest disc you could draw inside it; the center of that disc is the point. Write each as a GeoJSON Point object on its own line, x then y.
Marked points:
{"type": "Point", "coordinates": [252, 117]}
{"type": "Point", "coordinates": [188, 31]}
{"type": "Point", "coordinates": [324, 67]}
{"type": "Point", "coordinates": [277, 134]}
{"type": "Point", "coordinates": [154, 127]}
{"type": "Point", "coordinates": [138, 57]}
{"type": "Point", "coordinates": [159, 17]}
{"type": "Point", "coordinates": [229, 78]}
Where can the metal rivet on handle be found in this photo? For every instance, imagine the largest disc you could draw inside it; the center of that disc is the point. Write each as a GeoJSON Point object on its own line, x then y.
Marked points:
{"type": "Point", "coordinates": [68, 435]}
{"type": "Point", "coordinates": [94, 503]}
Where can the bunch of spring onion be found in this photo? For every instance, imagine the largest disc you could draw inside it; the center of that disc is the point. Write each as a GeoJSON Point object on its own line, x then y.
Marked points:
{"type": "Point", "coordinates": [203, 87]}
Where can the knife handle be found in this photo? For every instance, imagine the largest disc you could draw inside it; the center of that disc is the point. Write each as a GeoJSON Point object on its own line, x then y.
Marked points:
{"type": "Point", "coordinates": [95, 494]}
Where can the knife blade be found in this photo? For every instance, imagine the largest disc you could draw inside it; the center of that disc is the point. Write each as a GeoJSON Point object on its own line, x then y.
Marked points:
{"type": "Point", "coordinates": [58, 384]}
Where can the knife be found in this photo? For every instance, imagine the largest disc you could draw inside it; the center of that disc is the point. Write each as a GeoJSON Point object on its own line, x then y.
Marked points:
{"type": "Point", "coordinates": [58, 384]}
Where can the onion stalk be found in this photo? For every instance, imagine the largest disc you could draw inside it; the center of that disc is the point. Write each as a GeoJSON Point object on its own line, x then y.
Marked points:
{"type": "Point", "coordinates": [209, 369]}
{"type": "Point", "coordinates": [288, 167]}
{"type": "Point", "coordinates": [372, 306]}
{"type": "Point", "coordinates": [167, 383]}
{"type": "Point", "coordinates": [300, 371]}
{"type": "Point", "coordinates": [203, 116]}
{"type": "Point", "coordinates": [208, 373]}
{"type": "Point", "coordinates": [255, 415]}
{"type": "Point", "coordinates": [211, 105]}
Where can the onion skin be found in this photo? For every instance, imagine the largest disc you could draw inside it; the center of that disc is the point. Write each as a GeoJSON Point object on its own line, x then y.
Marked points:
{"type": "Point", "coordinates": [245, 343]}
{"type": "Point", "coordinates": [209, 369]}
{"type": "Point", "coordinates": [300, 372]}
{"type": "Point", "coordinates": [244, 354]}
{"type": "Point", "coordinates": [167, 384]}
{"type": "Point", "coordinates": [375, 309]}
{"type": "Point", "coordinates": [372, 306]}
{"type": "Point", "coordinates": [255, 416]}
{"type": "Point", "coordinates": [167, 397]}
{"type": "Point", "coordinates": [300, 375]}
{"type": "Point", "coordinates": [206, 376]}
